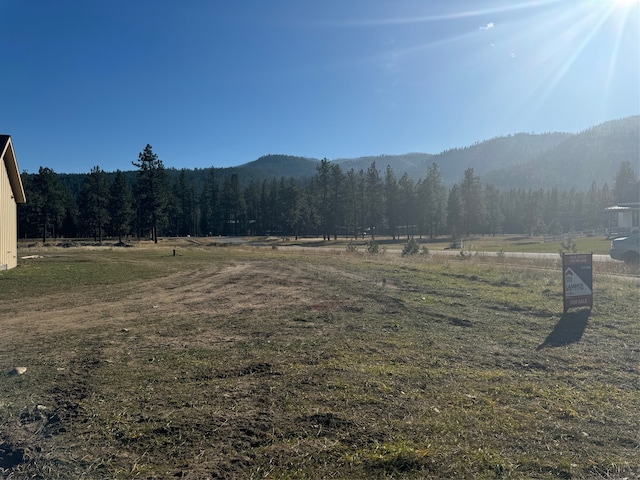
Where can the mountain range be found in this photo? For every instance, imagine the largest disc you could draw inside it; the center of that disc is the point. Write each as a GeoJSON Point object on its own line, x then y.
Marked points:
{"type": "Point", "coordinates": [522, 160]}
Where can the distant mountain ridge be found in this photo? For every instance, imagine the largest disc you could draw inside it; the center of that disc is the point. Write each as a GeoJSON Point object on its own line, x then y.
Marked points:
{"type": "Point", "coordinates": [592, 155]}
{"type": "Point", "coordinates": [522, 160]}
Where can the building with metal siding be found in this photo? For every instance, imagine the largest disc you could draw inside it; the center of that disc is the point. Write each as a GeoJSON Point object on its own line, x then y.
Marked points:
{"type": "Point", "coordinates": [11, 194]}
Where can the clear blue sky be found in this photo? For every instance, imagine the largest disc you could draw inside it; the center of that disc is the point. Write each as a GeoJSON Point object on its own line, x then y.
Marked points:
{"type": "Point", "coordinates": [221, 83]}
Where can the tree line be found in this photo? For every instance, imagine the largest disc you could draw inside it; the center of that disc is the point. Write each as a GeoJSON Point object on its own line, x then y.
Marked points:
{"type": "Point", "coordinates": [332, 203]}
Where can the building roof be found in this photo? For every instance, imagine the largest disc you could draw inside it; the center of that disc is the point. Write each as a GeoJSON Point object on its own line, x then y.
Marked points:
{"type": "Point", "coordinates": [8, 156]}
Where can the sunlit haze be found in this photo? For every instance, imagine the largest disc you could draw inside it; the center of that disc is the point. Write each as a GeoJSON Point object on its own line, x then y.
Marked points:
{"type": "Point", "coordinates": [223, 83]}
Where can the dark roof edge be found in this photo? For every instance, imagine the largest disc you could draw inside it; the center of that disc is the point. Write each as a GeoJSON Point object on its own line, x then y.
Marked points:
{"type": "Point", "coordinates": [9, 157]}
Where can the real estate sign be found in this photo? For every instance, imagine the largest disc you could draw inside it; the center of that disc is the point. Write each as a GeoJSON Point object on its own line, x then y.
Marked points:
{"type": "Point", "coordinates": [577, 280]}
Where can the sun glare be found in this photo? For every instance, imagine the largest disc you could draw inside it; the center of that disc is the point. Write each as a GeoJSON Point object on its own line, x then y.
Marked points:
{"type": "Point", "coordinates": [624, 3]}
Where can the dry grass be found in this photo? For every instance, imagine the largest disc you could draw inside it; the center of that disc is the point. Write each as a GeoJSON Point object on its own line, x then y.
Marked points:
{"type": "Point", "coordinates": [262, 363]}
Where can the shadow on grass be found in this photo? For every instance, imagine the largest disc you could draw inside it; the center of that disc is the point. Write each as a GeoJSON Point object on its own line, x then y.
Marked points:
{"type": "Point", "coordinates": [568, 330]}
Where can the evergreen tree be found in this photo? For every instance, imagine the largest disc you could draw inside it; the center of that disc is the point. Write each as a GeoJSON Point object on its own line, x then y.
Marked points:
{"type": "Point", "coordinates": [47, 199]}
{"type": "Point", "coordinates": [94, 202]}
{"type": "Point", "coordinates": [308, 219]}
{"type": "Point", "coordinates": [151, 192]}
{"type": "Point", "coordinates": [263, 212]}
{"type": "Point", "coordinates": [592, 214]}
{"type": "Point", "coordinates": [374, 201]}
{"type": "Point", "coordinates": [605, 197]}
{"type": "Point", "coordinates": [174, 208]}
{"type": "Point", "coordinates": [336, 214]}
{"type": "Point", "coordinates": [361, 193]}
{"type": "Point", "coordinates": [624, 180]}
{"type": "Point", "coordinates": [471, 201]}
{"type": "Point", "coordinates": [432, 198]}
{"type": "Point", "coordinates": [351, 203]}
{"type": "Point", "coordinates": [321, 185]}
{"type": "Point", "coordinates": [210, 205]}
{"type": "Point", "coordinates": [290, 207]}
{"type": "Point", "coordinates": [391, 201]}
{"type": "Point", "coordinates": [493, 215]}
{"type": "Point", "coordinates": [120, 208]}
{"type": "Point", "coordinates": [551, 209]}
{"type": "Point", "coordinates": [533, 212]}
{"type": "Point", "coordinates": [407, 203]}
{"type": "Point", "coordinates": [252, 201]}
{"type": "Point", "coordinates": [272, 203]}
{"type": "Point", "coordinates": [509, 206]}
{"type": "Point", "coordinates": [455, 218]}
{"type": "Point", "coordinates": [28, 215]}
{"type": "Point", "coordinates": [233, 206]}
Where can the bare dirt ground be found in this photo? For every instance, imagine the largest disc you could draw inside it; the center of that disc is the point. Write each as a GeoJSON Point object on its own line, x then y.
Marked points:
{"type": "Point", "coordinates": [223, 291]}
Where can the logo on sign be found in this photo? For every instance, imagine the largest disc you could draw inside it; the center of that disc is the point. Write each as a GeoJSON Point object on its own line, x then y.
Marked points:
{"type": "Point", "coordinates": [573, 284]}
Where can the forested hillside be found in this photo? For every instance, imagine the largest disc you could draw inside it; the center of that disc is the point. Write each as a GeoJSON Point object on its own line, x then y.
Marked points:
{"type": "Point", "coordinates": [523, 160]}
{"type": "Point", "coordinates": [153, 201]}
{"type": "Point", "coordinates": [577, 160]}
{"type": "Point", "coordinates": [549, 183]}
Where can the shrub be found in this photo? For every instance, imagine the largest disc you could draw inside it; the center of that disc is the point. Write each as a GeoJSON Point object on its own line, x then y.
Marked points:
{"type": "Point", "coordinates": [568, 245]}
{"type": "Point", "coordinates": [351, 246]}
{"type": "Point", "coordinates": [411, 247]}
{"type": "Point", "coordinates": [373, 247]}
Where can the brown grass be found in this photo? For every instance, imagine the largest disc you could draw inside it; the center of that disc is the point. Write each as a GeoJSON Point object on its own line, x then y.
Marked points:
{"type": "Point", "coordinates": [261, 363]}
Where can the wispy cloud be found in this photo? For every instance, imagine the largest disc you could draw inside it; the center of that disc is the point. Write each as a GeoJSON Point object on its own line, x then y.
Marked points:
{"type": "Point", "coordinates": [510, 7]}
{"type": "Point", "coordinates": [488, 26]}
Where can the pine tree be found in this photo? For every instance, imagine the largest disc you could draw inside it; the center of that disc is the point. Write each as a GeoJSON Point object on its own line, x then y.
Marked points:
{"type": "Point", "coordinates": [336, 215]}
{"type": "Point", "coordinates": [120, 209]}
{"type": "Point", "coordinates": [94, 202]}
{"type": "Point", "coordinates": [374, 202]}
{"type": "Point", "coordinates": [48, 201]}
{"type": "Point", "coordinates": [407, 203]}
{"type": "Point", "coordinates": [151, 192]}
{"type": "Point", "coordinates": [471, 201]}
{"type": "Point", "coordinates": [252, 201]}
{"type": "Point", "coordinates": [233, 206]}
{"type": "Point", "coordinates": [454, 212]}
{"type": "Point", "coordinates": [494, 216]}
{"type": "Point", "coordinates": [321, 185]}
{"type": "Point", "coordinates": [210, 204]}
{"type": "Point", "coordinates": [432, 198]}
{"type": "Point", "coordinates": [391, 201]}
{"type": "Point", "coordinates": [625, 179]}
{"type": "Point", "coordinates": [350, 201]}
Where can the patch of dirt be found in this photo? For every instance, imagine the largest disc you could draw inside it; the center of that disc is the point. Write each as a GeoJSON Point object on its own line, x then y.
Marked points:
{"type": "Point", "coordinates": [227, 291]}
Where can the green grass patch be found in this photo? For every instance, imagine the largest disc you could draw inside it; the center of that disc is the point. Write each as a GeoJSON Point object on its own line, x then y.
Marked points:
{"type": "Point", "coordinates": [537, 244]}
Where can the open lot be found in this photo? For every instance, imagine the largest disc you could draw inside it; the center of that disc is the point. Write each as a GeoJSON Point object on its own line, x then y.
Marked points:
{"type": "Point", "coordinates": [260, 362]}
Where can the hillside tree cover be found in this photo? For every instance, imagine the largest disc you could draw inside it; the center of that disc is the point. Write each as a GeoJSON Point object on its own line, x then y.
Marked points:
{"type": "Point", "coordinates": [332, 203]}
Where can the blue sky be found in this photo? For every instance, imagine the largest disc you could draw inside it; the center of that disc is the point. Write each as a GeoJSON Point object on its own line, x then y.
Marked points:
{"type": "Point", "coordinates": [221, 83]}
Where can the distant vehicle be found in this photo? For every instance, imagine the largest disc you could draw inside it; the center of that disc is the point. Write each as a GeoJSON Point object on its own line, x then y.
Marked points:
{"type": "Point", "coordinates": [626, 249]}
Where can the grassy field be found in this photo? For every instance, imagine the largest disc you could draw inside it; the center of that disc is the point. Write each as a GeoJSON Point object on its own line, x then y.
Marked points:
{"type": "Point", "coordinates": [241, 362]}
{"type": "Point", "coordinates": [487, 243]}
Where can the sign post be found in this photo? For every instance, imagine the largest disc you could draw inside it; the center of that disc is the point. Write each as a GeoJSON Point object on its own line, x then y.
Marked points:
{"type": "Point", "coordinates": [577, 280]}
